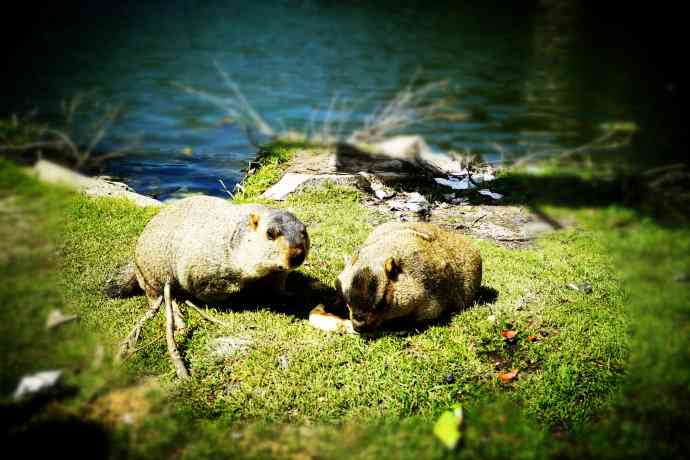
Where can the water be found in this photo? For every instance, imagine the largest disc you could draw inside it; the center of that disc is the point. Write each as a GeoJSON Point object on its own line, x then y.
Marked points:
{"type": "Point", "coordinates": [529, 77]}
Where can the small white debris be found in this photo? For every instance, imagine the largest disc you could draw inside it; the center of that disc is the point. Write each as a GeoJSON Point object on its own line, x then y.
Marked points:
{"type": "Point", "coordinates": [128, 418]}
{"type": "Point", "coordinates": [283, 362]}
{"type": "Point", "coordinates": [455, 183]}
{"type": "Point", "coordinates": [414, 202]}
{"type": "Point", "coordinates": [489, 193]}
{"type": "Point", "coordinates": [381, 194]}
{"type": "Point", "coordinates": [57, 318]}
{"type": "Point", "coordinates": [483, 177]}
{"type": "Point", "coordinates": [491, 318]}
{"type": "Point", "coordinates": [37, 383]}
{"type": "Point", "coordinates": [582, 287]}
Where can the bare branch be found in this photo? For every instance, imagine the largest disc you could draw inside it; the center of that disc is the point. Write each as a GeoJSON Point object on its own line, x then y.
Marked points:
{"type": "Point", "coordinates": [410, 106]}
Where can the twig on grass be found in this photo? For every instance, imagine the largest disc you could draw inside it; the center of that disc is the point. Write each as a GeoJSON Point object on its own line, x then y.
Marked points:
{"type": "Point", "coordinates": [128, 343]}
{"type": "Point", "coordinates": [204, 315]}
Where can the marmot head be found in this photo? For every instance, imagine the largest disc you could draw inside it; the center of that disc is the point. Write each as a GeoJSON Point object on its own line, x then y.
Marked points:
{"type": "Point", "coordinates": [278, 241]}
{"type": "Point", "coordinates": [369, 290]}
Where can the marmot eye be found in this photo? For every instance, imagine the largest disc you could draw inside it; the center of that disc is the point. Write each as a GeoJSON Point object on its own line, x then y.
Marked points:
{"type": "Point", "coordinates": [272, 233]}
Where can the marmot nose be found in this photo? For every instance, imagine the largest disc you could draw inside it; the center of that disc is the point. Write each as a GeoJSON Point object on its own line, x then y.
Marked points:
{"type": "Point", "coordinates": [296, 256]}
{"type": "Point", "coordinates": [359, 325]}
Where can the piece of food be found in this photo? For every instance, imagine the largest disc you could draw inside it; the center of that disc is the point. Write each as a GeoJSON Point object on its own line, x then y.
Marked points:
{"type": "Point", "coordinates": [321, 319]}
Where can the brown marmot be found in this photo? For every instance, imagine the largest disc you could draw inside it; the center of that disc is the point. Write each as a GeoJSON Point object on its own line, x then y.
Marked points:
{"type": "Point", "coordinates": [409, 270]}
{"type": "Point", "coordinates": [209, 248]}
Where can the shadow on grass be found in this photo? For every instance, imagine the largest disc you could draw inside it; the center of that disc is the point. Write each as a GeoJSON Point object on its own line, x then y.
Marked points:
{"type": "Point", "coordinates": [662, 193]}
{"type": "Point", "coordinates": [30, 431]}
{"type": "Point", "coordinates": [306, 292]}
{"type": "Point", "coordinates": [664, 197]}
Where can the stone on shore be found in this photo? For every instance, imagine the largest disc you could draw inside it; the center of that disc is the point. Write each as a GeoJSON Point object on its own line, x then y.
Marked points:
{"type": "Point", "coordinates": [48, 171]}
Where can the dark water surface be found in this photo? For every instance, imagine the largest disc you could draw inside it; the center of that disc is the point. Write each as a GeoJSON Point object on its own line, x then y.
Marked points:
{"type": "Point", "coordinates": [530, 76]}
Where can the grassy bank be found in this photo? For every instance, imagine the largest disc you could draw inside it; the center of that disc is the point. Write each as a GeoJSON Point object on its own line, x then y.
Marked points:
{"type": "Point", "coordinates": [607, 374]}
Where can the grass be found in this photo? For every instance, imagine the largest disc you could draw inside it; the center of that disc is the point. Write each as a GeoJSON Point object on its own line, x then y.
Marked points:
{"type": "Point", "coordinates": [608, 377]}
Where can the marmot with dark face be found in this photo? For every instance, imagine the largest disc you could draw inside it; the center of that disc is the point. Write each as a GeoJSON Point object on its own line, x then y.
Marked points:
{"type": "Point", "coordinates": [416, 271]}
{"type": "Point", "coordinates": [208, 248]}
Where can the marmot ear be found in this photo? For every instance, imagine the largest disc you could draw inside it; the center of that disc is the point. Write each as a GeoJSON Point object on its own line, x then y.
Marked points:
{"type": "Point", "coordinates": [392, 267]}
{"type": "Point", "coordinates": [253, 221]}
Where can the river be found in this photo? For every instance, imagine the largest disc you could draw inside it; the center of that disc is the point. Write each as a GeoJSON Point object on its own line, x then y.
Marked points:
{"type": "Point", "coordinates": [527, 76]}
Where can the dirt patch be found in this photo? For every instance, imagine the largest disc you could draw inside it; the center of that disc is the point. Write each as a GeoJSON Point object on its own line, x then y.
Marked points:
{"type": "Point", "coordinates": [396, 192]}
{"type": "Point", "coordinates": [126, 406]}
{"type": "Point", "coordinates": [508, 226]}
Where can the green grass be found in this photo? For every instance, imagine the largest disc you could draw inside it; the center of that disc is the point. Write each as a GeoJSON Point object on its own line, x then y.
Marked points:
{"type": "Point", "coordinates": [610, 378]}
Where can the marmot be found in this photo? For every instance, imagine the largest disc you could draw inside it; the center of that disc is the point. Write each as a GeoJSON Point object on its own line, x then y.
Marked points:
{"type": "Point", "coordinates": [409, 270]}
{"type": "Point", "coordinates": [209, 248]}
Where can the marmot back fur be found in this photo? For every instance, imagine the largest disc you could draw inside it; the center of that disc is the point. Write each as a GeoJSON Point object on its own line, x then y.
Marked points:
{"type": "Point", "coordinates": [211, 248]}
{"type": "Point", "coordinates": [413, 270]}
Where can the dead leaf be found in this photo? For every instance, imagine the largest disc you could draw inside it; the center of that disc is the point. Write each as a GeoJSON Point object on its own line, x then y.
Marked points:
{"type": "Point", "coordinates": [532, 338]}
{"type": "Point", "coordinates": [508, 334]}
{"type": "Point", "coordinates": [507, 377]}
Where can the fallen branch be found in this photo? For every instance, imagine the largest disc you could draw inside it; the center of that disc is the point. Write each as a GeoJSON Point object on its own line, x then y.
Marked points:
{"type": "Point", "coordinates": [131, 340]}
{"type": "Point", "coordinates": [408, 107]}
{"type": "Point", "coordinates": [144, 346]}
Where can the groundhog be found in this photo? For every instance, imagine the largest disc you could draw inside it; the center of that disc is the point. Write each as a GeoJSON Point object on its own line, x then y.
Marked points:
{"type": "Point", "coordinates": [416, 271]}
{"type": "Point", "coordinates": [210, 248]}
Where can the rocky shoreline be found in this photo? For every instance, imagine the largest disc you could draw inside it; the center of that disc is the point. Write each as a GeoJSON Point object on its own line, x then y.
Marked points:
{"type": "Point", "coordinates": [396, 183]}
{"type": "Point", "coordinates": [99, 186]}
{"type": "Point", "coordinates": [395, 177]}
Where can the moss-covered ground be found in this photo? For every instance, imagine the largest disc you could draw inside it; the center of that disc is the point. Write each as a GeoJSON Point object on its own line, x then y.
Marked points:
{"type": "Point", "coordinates": [602, 374]}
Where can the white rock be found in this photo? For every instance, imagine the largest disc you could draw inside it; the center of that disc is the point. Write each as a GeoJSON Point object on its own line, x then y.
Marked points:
{"type": "Point", "coordinates": [403, 147]}
{"type": "Point", "coordinates": [48, 171]}
{"type": "Point", "coordinates": [287, 184]}
{"type": "Point", "coordinates": [296, 182]}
